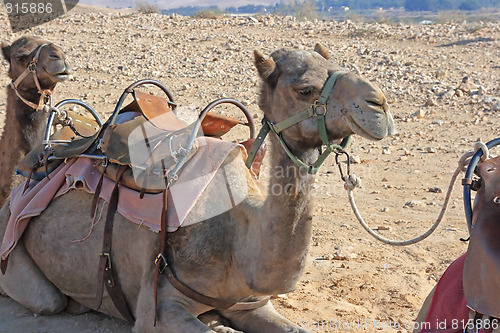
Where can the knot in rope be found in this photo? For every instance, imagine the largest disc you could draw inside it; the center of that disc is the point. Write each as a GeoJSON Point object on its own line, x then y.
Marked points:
{"type": "Point", "coordinates": [351, 182]}
{"type": "Point", "coordinates": [465, 159]}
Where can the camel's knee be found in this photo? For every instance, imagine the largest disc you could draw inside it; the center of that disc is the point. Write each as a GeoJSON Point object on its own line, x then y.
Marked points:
{"type": "Point", "coordinates": [75, 308]}
{"type": "Point", "coordinates": [171, 317]}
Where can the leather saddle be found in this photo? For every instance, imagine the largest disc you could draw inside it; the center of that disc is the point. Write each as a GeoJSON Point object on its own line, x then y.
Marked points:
{"type": "Point", "coordinates": [150, 140]}
{"type": "Point", "coordinates": [481, 275]}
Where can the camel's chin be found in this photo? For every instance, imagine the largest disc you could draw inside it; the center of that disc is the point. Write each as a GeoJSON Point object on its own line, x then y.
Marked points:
{"type": "Point", "coordinates": [385, 127]}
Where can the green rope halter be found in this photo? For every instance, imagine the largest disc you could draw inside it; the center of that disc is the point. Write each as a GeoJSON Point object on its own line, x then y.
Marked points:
{"type": "Point", "coordinates": [316, 110]}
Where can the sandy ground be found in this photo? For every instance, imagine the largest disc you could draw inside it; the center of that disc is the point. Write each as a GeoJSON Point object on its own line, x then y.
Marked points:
{"type": "Point", "coordinates": [350, 277]}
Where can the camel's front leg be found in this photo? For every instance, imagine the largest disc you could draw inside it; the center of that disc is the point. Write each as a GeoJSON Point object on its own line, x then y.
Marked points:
{"type": "Point", "coordinates": [264, 319]}
{"type": "Point", "coordinates": [175, 312]}
{"type": "Point", "coordinates": [25, 283]}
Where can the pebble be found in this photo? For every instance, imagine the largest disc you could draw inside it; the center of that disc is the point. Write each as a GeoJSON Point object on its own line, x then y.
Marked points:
{"type": "Point", "coordinates": [430, 150]}
{"type": "Point", "coordinates": [419, 114]}
{"type": "Point", "coordinates": [496, 107]}
{"type": "Point", "coordinates": [429, 102]}
{"type": "Point", "coordinates": [355, 159]}
{"type": "Point", "coordinates": [386, 151]}
{"type": "Point", "coordinates": [467, 85]}
{"type": "Point", "coordinates": [448, 94]}
{"type": "Point", "coordinates": [435, 190]}
{"type": "Point", "coordinates": [412, 204]}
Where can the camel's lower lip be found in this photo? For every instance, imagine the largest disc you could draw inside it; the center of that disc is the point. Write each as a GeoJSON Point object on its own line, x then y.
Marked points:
{"type": "Point", "coordinates": [363, 132]}
{"type": "Point", "coordinates": [63, 77]}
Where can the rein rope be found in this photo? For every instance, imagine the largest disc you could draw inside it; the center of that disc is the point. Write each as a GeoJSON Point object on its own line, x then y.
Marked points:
{"type": "Point", "coordinates": [45, 95]}
{"type": "Point", "coordinates": [352, 182]}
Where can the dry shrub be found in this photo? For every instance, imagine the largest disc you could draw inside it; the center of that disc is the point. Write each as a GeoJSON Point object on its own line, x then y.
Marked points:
{"type": "Point", "coordinates": [145, 7]}
{"type": "Point", "coordinates": [209, 14]}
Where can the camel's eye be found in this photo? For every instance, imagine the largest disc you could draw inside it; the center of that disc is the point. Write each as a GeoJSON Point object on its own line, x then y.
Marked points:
{"type": "Point", "coordinates": [22, 57]}
{"type": "Point", "coordinates": [307, 91]}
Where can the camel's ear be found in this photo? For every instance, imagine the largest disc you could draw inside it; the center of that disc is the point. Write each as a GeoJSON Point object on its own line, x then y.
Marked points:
{"type": "Point", "coordinates": [6, 50]}
{"type": "Point", "coordinates": [265, 66]}
{"type": "Point", "coordinates": [322, 50]}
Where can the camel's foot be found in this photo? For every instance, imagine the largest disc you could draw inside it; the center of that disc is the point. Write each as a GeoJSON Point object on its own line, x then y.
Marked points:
{"type": "Point", "coordinates": [3, 293]}
{"type": "Point", "coordinates": [25, 283]}
{"type": "Point", "coordinates": [217, 322]}
{"type": "Point", "coordinates": [264, 319]}
{"type": "Point", "coordinates": [76, 308]}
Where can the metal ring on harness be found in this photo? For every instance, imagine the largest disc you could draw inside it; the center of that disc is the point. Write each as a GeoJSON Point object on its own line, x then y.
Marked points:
{"type": "Point", "coordinates": [468, 180]}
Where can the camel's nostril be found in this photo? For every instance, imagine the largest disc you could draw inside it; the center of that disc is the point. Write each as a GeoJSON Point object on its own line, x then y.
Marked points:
{"type": "Point", "coordinates": [376, 104]}
{"type": "Point", "coordinates": [54, 57]}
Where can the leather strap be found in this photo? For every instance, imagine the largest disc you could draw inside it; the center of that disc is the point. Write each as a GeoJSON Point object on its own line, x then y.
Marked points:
{"type": "Point", "coordinates": [31, 69]}
{"type": "Point", "coordinates": [97, 193]}
{"type": "Point", "coordinates": [106, 272]}
{"type": "Point", "coordinates": [215, 303]}
{"type": "Point", "coordinates": [163, 243]}
{"type": "Point", "coordinates": [243, 306]}
{"type": "Point", "coordinates": [210, 301]}
{"type": "Point", "coordinates": [3, 265]}
{"type": "Point", "coordinates": [317, 110]}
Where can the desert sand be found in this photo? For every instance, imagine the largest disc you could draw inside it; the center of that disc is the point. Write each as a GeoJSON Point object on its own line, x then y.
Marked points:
{"type": "Point", "coordinates": [350, 277]}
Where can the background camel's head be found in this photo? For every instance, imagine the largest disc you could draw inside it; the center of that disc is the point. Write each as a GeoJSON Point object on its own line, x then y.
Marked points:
{"type": "Point", "coordinates": [52, 64]}
{"type": "Point", "coordinates": [294, 79]}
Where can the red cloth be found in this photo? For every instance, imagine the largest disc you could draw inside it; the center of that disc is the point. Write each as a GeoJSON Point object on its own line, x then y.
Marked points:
{"type": "Point", "coordinates": [448, 305]}
{"type": "Point", "coordinates": [448, 312]}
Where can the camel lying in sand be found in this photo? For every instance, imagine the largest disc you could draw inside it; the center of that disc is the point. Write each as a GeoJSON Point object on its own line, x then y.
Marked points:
{"type": "Point", "coordinates": [252, 251]}
{"type": "Point", "coordinates": [24, 121]}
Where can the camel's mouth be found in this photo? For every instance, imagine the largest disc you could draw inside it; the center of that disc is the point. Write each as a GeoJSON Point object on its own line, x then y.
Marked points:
{"type": "Point", "coordinates": [62, 75]}
{"type": "Point", "coordinates": [379, 126]}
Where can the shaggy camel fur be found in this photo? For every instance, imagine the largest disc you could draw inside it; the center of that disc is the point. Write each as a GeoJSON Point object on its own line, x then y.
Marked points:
{"type": "Point", "coordinates": [256, 249]}
{"type": "Point", "coordinates": [23, 128]}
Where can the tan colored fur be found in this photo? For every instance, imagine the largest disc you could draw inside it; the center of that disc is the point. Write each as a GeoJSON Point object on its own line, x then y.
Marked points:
{"type": "Point", "coordinates": [256, 249]}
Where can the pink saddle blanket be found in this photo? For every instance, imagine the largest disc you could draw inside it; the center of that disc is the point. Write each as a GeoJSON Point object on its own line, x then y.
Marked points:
{"type": "Point", "coordinates": [80, 174]}
{"type": "Point", "coordinates": [448, 312]}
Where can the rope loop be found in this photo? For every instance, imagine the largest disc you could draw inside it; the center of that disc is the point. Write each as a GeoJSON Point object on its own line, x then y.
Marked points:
{"type": "Point", "coordinates": [352, 181]}
{"type": "Point", "coordinates": [482, 146]}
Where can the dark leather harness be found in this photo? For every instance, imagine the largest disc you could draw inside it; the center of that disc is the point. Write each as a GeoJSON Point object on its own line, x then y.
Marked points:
{"type": "Point", "coordinates": [44, 101]}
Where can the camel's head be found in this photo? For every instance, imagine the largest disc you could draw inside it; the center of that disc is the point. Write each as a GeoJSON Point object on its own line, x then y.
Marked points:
{"type": "Point", "coordinates": [52, 65]}
{"type": "Point", "coordinates": [294, 79]}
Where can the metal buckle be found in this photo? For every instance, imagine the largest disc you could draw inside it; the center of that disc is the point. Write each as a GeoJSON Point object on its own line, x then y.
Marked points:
{"type": "Point", "coordinates": [317, 106]}
{"type": "Point", "coordinates": [32, 66]}
{"type": "Point", "coordinates": [106, 254]}
{"type": "Point", "coordinates": [159, 257]}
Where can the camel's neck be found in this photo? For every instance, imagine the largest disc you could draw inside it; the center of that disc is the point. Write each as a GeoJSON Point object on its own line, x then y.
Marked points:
{"type": "Point", "coordinates": [286, 221]}
{"type": "Point", "coordinates": [29, 122]}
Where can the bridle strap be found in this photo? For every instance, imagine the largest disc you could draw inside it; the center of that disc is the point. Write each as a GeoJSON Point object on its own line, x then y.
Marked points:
{"type": "Point", "coordinates": [317, 110]}
{"type": "Point", "coordinates": [31, 69]}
